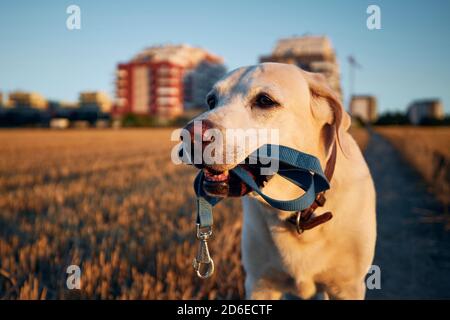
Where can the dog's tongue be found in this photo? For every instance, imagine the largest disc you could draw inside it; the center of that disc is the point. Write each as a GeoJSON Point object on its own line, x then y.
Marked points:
{"type": "Point", "coordinates": [216, 176]}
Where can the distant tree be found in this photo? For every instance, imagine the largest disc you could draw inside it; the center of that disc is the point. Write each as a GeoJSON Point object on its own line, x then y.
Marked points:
{"type": "Point", "coordinates": [392, 118]}
{"type": "Point", "coordinates": [24, 117]}
{"type": "Point", "coordinates": [435, 122]}
{"type": "Point", "coordinates": [134, 120]}
{"type": "Point", "coordinates": [358, 122]}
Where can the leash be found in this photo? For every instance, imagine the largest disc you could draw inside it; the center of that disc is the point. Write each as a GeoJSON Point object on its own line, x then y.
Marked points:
{"type": "Point", "coordinates": [299, 168]}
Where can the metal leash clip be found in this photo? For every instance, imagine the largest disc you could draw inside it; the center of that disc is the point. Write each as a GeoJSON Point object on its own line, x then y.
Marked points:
{"type": "Point", "coordinates": [203, 264]}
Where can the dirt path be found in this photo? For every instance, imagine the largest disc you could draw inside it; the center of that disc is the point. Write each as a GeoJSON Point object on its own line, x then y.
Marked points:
{"type": "Point", "coordinates": [412, 252]}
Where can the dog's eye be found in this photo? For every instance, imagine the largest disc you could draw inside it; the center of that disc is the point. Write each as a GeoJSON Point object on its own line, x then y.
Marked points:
{"type": "Point", "coordinates": [211, 101]}
{"type": "Point", "coordinates": [265, 101]}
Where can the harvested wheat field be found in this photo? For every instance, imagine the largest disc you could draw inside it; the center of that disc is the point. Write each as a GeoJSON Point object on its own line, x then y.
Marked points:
{"type": "Point", "coordinates": [113, 203]}
{"type": "Point", "coordinates": [428, 151]}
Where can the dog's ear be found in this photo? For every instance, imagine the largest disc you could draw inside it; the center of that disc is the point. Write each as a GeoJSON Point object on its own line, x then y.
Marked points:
{"type": "Point", "coordinates": [327, 107]}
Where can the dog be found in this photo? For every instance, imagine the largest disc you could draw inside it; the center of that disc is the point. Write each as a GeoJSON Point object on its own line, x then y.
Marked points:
{"type": "Point", "coordinates": [332, 259]}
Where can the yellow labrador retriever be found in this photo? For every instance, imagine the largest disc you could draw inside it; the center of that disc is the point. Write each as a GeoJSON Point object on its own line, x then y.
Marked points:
{"type": "Point", "coordinates": [332, 258]}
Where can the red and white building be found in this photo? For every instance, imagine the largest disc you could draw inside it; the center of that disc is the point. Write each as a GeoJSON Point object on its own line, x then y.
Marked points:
{"type": "Point", "coordinates": [165, 80]}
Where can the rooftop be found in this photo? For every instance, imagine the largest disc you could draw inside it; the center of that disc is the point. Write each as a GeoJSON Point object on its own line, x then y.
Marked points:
{"type": "Point", "coordinates": [305, 45]}
{"type": "Point", "coordinates": [182, 55]}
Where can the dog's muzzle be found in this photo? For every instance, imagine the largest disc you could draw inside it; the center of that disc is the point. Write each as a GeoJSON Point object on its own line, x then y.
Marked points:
{"type": "Point", "coordinates": [217, 182]}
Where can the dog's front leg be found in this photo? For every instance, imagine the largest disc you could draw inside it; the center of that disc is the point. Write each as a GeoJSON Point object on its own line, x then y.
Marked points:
{"type": "Point", "coordinates": [256, 261]}
{"type": "Point", "coordinates": [259, 255]}
{"type": "Point", "coordinates": [261, 289]}
{"type": "Point", "coordinates": [355, 290]}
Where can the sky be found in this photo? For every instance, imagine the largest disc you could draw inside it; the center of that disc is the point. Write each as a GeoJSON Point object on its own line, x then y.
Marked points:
{"type": "Point", "coordinates": [406, 59]}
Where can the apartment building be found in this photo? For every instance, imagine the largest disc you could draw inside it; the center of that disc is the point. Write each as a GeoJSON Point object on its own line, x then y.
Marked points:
{"type": "Point", "coordinates": [27, 99]}
{"type": "Point", "coordinates": [364, 107]}
{"type": "Point", "coordinates": [166, 80]}
{"type": "Point", "coordinates": [429, 109]}
{"type": "Point", "coordinates": [311, 53]}
{"type": "Point", "coordinates": [95, 100]}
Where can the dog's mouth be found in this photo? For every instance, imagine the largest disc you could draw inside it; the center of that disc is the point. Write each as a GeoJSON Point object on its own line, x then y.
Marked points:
{"type": "Point", "coordinates": [225, 183]}
{"type": "Point", "coordinates": [228, 184]}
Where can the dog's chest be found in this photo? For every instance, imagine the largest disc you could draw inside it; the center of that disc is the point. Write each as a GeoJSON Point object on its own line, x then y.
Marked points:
{"type": "Point", "coordinates": [300, 255]}
{"type": "Point", "coordinates": [297, 255]}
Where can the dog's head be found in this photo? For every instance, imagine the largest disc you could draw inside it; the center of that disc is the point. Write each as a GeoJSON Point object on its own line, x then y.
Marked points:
{"type": "Point", "coordinates": [292, 107]}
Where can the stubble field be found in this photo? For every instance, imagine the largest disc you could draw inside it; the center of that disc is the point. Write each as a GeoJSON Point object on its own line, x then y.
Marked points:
{"type": "Point", "coordinates": [113, 203]}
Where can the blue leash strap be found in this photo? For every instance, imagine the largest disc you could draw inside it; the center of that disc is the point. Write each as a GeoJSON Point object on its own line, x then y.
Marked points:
{"type": "Point", "coordinates": [302, 169]}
